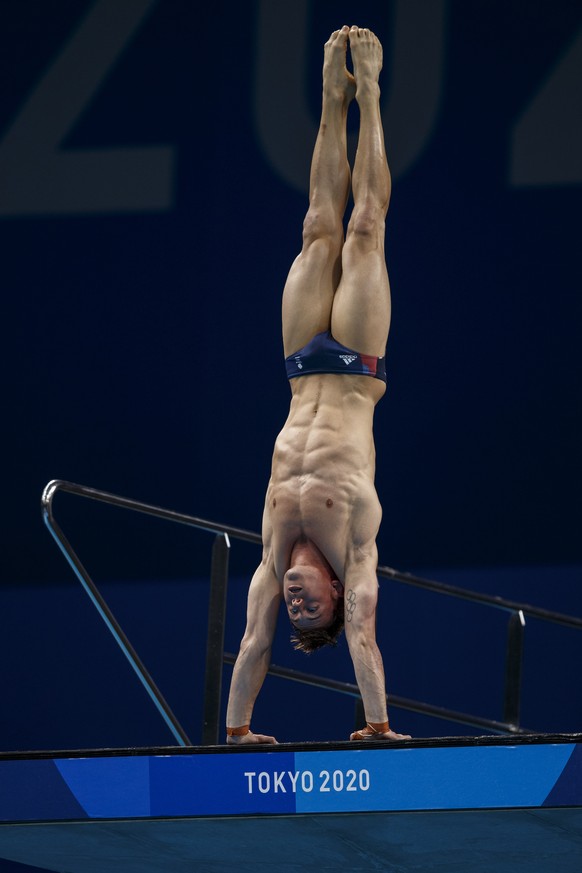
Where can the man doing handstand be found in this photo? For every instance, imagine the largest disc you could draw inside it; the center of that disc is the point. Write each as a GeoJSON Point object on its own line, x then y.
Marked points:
{"type": "Point", "coordinates": [322, 513]}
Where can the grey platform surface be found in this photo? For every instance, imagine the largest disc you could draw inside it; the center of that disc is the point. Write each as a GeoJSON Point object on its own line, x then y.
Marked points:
{"type": "Point", "coordinates": [548, 841]}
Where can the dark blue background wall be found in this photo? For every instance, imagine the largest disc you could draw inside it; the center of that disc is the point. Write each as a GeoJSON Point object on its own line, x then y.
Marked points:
{"type": "Point", "coordinates": [153, 166]}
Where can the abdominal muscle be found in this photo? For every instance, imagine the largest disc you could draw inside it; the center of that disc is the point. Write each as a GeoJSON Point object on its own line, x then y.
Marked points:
{"type": "Point", "coordinates": [322, 480]}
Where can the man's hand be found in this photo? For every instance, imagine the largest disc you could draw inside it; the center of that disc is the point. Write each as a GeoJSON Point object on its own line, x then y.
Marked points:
{"type": "Point", "coordinates": [250, 738]}
{"type": "Point", "coordinates": [367, 733]}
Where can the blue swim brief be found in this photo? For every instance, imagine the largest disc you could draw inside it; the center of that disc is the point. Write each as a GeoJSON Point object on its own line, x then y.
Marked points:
{"type": "Point", "coordinates": [323, 354]}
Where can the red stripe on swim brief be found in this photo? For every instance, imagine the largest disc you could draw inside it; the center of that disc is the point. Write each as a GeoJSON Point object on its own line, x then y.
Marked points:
{"type": "Point", "coordinates": [370, 362]}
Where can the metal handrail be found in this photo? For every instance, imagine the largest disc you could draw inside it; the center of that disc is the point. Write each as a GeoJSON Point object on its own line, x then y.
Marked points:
{"type": "Point", "coordinates": [138, 506]}
{"type": "Point", "coordinates": [102, 608]}
{"type": "Point", "coordinates": [394, 700]}
{"type": "Point", "coordinates": [485, 599]}
{"type": "Point", "coordinates": [215, 654]}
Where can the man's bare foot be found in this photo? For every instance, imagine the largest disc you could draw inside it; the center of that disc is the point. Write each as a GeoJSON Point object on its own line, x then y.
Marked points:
{"type": "Point", "coordinates": [366, 51]}
{"type": "Point", "coordinates": [337, 80]}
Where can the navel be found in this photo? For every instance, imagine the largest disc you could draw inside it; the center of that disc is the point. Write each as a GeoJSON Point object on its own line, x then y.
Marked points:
{"type": "Point", "coordinates": [274, 502]}
{"type": "Point", "coordinates": [329, 502]}
{"type": "Point", "coordinates": [316, 401]}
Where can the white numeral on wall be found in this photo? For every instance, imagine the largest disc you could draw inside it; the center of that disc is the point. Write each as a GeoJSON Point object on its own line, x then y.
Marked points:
{"type": "Point", "coordinates": [37, 177]}
{"type": "Point", "coordinates": [546, 147]}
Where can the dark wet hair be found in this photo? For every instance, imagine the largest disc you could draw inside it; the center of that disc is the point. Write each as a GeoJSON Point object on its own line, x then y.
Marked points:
{"type": "Point", "coordinates": [309, 640]}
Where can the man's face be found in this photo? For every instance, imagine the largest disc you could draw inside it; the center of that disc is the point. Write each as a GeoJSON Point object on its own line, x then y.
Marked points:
{"type": "Point", "coordinates": [310, 596]}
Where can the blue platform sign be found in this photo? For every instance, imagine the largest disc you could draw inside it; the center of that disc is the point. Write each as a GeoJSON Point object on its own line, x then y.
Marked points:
{"type": "Point", "coordinates": [225, 783]}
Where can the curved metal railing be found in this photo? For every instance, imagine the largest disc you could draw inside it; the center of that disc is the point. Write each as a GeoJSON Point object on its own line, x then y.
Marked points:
{"type": "Point", "coordinates": [216, 656]}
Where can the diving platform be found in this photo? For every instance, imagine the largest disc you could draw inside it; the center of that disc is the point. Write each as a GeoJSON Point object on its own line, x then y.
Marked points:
{"type": "Point", "coordinates": [448, 804]}
{"type": "Point", "coordinates": [509, 802]}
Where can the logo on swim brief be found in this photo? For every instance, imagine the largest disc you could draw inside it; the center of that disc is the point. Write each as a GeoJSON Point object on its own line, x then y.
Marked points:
{"type": "Point", "coordinates": [348, 359]}
{"type": "Point", "coordinates": [298, 362]}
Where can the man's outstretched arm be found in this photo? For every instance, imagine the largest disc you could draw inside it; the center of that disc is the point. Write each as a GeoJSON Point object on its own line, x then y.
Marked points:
{"type": "Point", "coordinates": [360, 601]}
{"type": "Point", "coordinates": [254, 656]}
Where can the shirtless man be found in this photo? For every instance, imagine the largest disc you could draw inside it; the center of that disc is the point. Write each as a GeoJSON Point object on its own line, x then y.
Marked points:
{"type": "Point", "coordinates": [322, 513]}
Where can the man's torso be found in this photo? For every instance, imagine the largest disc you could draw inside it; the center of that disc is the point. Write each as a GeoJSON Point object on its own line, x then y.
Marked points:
{"type": "Point", "coordinates": [322, 479]}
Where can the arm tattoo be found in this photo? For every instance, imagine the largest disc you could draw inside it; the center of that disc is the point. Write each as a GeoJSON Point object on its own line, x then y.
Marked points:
{"type": "Point", "coordinates": [350, 604]}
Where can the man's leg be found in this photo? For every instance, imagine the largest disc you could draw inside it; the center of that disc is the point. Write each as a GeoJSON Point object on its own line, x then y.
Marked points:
{"type": "Point", "coordinates": [361, 307]}
{"type": "Point", "coordinates": [315, 273]}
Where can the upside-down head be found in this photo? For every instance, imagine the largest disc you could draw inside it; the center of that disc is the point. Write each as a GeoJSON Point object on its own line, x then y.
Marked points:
{"type": "Point", "coordinates": [315, 606]}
